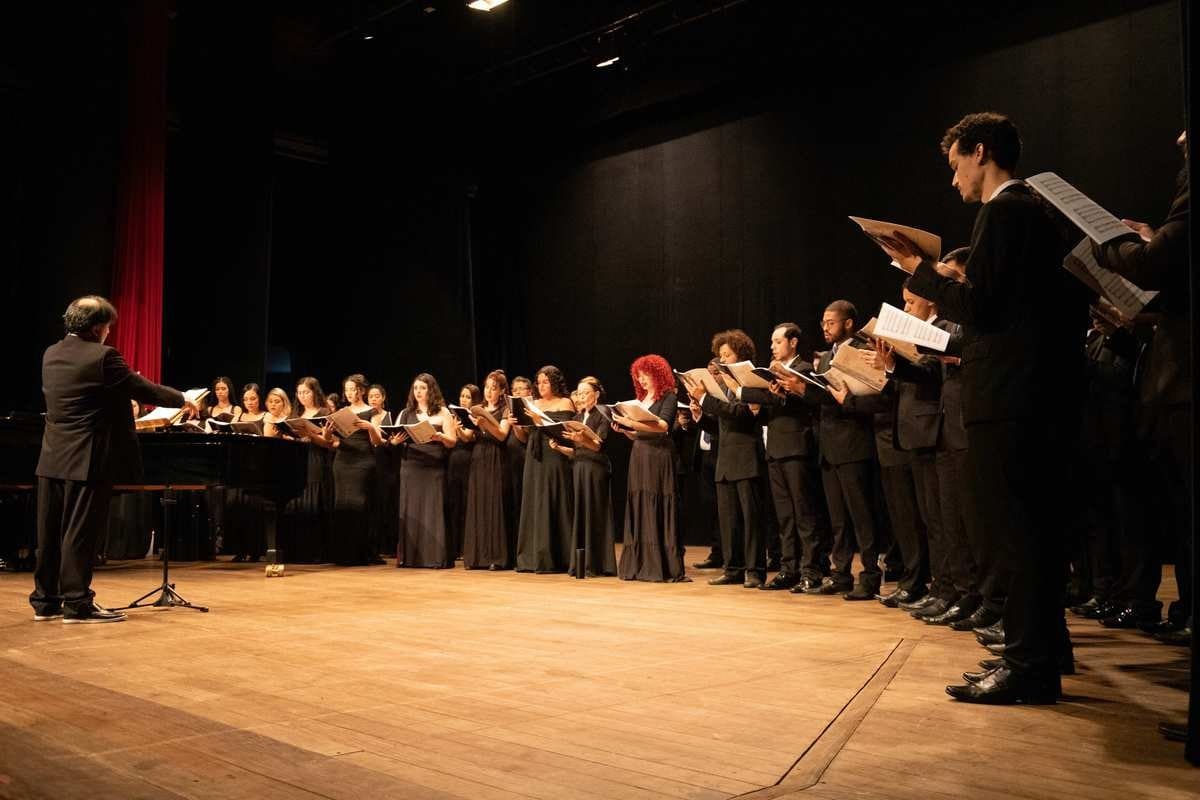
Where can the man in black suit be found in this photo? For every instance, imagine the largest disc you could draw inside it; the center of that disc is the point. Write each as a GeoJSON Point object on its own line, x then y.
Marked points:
{"type": "Point", "coordinates": [1020, 319]}
{"type": "Point", "coordinates": [848, 467]}
{"type": "Point", "coordinates": [1158, 260]}
{"type": "Point", "coordinates": [738, 472]}
{"type": "Point", "coordinates": [89, 445]}
{"type": "Point", "coordinates": [795, 475]}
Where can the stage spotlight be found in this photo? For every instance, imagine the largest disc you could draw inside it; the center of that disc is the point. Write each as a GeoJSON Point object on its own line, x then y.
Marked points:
{"type": "Point", "coordinates": [609, 62]}
{"type": "Point", "coordinates": [486, 5]}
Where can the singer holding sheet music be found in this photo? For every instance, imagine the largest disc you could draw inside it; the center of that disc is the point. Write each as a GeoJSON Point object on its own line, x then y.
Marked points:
{"type": "Point", "coordinates": [424, 539]}
{"type": "Point", "coordinates": [304, 518]}
{"type": "Point", "coordinates": [591, 473]}
{"type": "Point", "coordinates": [489, 523]}
{"type": "Point", "coordinates": [353, 479]}
{"type": "Point", "coordinates": [1021, 314]}
{"type": "Point", "coordinates": [544, 534]}
{"type": "Point", "coordinates": [88, 445]}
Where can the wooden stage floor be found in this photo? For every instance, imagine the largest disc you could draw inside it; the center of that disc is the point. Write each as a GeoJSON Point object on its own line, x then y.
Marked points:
{"type": "Point", "coordinates": [373, 682]}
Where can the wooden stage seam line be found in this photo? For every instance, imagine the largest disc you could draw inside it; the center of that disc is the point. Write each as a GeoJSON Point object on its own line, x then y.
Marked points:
{"type": "Point", "coordinates": [811, 764]}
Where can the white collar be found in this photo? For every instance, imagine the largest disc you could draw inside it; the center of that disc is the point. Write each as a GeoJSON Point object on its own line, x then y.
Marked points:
{"type": "Point", "coordinates": [931, 319]}
{"type": "Point", "coordinates": [1002, 187]}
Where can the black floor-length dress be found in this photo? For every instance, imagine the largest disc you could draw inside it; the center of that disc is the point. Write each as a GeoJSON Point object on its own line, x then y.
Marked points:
{"type": "Point", "coordinates": [652, 549]}
{"type": "Point", "coordinates": [423, 538]}
{"type": "Point", "coordinates": [489, 521]}
{"type": "Point", "coordinates": [547, 496]}
{"type": "Point", "coordinates": [592, 526]}
{"type": "Point", "coordinates": [354, 479]}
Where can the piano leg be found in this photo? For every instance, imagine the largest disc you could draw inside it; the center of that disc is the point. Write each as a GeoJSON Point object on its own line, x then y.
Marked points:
{"type": "Point", "coordinates": [274, 551]}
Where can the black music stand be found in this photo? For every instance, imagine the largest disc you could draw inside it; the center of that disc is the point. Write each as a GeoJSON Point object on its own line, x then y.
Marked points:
{"type": "Point", "coordinates": [167, 596]}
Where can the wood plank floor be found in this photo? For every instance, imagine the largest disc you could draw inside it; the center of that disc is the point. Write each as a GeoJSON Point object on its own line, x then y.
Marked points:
{"type": "Point", "coordinates": [374, 682]}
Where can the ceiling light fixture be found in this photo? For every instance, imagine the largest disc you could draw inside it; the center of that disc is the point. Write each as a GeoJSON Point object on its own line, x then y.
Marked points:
{"type": "Point", "coordinates": [486, 5]}
{"type": "Point", "coordinates": [609, 62]}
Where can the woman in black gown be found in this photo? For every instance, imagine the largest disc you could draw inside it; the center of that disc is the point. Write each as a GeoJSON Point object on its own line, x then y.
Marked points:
{"type": "Point", "coordinates": [422, 530]}
{"type": "Point", "coordinates": [652, 550]}
{"type": "Point", "coordinates": [245, 513]}
{"type": "Point", "coordinates": [592, 477]}
{"type": "Point", "coordinates": [458, 472]}
{"type": "Point", "coordinates": [544, 532]}
{"type": "Point", "coordinates": [353, 479]}
{"type": "Point", "coordinates": [305, 518]}
{"type": "Point", "coordinates": [488, 521]}
{"type": "Point", "coordinates": [518, 443]}
{"type": "Point", "coordinates": [222, 409]}
{"type": "Point", "coordinates": [386, 493]}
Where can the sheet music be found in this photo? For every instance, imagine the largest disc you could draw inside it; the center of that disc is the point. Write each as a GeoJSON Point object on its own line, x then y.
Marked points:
{"type": "Point", "coordinates": [743, 373]}
{"type": "Point", "coordinates": [704, 378]}
{"type": "Point", "coordinates": [634, 410]}
{"type": "Point", "coordinates": [930, 244]}
{"type": "Point", "coordinates": [905, 350]}
{"type": "Point", "coordinates": [1100, 225]}
{"type": "Point", "coordinates": [892, 323]}
{"type": "Point", "coordinates": [849, 365]}
{"type": "Point", "coordinates": [1126, 296]}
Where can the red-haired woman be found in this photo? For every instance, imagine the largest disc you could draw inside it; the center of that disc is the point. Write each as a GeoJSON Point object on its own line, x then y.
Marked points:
{"type": "Point", "coordinates": [652, 551]}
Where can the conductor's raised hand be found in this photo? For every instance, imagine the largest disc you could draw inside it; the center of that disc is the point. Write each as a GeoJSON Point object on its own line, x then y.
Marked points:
{"type": "Point", "coordinates": [193, 411]}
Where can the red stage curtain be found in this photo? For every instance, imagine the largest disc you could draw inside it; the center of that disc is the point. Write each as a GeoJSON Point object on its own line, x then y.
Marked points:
{"type": "Point", "coordinates": [138, 251]}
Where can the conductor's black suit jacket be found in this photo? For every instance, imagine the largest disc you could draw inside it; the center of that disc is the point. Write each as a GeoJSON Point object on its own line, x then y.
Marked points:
{"type": "Point", "coordinates": [89, 424]}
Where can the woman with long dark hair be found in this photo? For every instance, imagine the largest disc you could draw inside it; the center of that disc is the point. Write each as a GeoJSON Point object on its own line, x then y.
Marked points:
{"type": "Point", "coordinates": [652, 550]}
{"type": "Point", "coordinates": [544, 532]}
{"type": "Point", "coordinates": [306, 517]}
{"type": "Point", "coordinates": [220, 402]}
{"type": "Point", "coordinates": [458, 471]}
{"type": "Point", "coordinates": [591, 470]}
{"type": "Point", "coordinates": [488, 520]}
{"type": "Point", "coordinates": [423, 541]}
{"type": "Point", "coordinates": [385, 503]}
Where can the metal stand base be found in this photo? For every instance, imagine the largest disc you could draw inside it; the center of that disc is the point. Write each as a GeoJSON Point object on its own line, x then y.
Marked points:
{"type": "Point", "coordinates": [167, 596]}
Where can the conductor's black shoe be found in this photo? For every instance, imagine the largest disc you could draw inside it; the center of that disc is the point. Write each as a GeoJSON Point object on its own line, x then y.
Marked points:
{"type": "Point", "coordinates": [919, 603]}
{"type": "Point", "coordinates": [982, 618]}
{"type": "Point", "coordinates": [726, 580]}
{"type": "Point", "coordinates": [91, 614]}
{"type": "Point", "coordinates": [1004, 686]}
{"type": "Point", "coordinates": [784, 580]}
{"type": "Point", "coordinates": [709, 563]}
{"type": "Point", "coordinates": [899, 596]}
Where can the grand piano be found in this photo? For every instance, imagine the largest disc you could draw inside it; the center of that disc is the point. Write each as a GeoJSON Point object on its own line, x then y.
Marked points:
{"type": "Point", "coordinates": [180, 459]}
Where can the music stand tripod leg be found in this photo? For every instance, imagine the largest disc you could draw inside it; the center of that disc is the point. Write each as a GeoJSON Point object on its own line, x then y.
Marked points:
{"type": "Point", "coordinates": [167, 596]}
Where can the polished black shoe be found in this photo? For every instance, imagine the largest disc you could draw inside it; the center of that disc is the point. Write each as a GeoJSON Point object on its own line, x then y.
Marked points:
{"type": "Point", "coordinates": [1004, 686]}
{"type": "Point", "coordinates": [982, 618]}
{"type": "Point", "coordinates": [727, 580]}
{"type": "Point", "coordinates": [1181, 637]}
{"type": "Point", "coordinates": [976, 677]}
{"type": "Point", "coordinates": [937, 607]}
{"type": "Point", "coordinates": [958, 612]}
{"type": "Point", "coordinates": [752, 581]}
{"type": "Point", "coordinates": [91, 614]}
{"type": "Point", "coordinates": [1161, 626]}
{"type": "Point", "coordinates": [830, 586]}
{"type": "Point", "coordinates": [860, 593]}
{"type": "Point", "coordinates": [1130, 617]}
{"type": "Point", "coordinates": [996, 649]}
{"type": "Point", "coordinates": [918, 604]}
{"type": "Point", "coordinates": [807, 586]}
{"type": "Point", "coordinates": [989, 636]}
{"type": "Point", "coordinates": [899, 596]}
{"type": "Point", "coordinates": [710, 563]}
{"type": "Point", "coordinates": [989, 664]}
{"type": "Point", "coordinates": [783, 580]}
{"type": "Point", "coordinates": [1088, 609]}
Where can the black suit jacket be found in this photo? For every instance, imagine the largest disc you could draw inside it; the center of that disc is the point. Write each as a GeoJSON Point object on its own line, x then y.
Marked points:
{"type": "Point", "coordinates": [1019, 314]}
{"type": "Point", "coordinates": [1165, 376]}
{"type": "Point", "coordinates": [89, 423]}
{"type": "Point", "coordinates": [917, 423]}
{"type": "Point", "coordinates": [846, 433]}
{"type": "Point", "coordinates": [740, 429]}
{"type": "Point", "coordinates": [790, 420]}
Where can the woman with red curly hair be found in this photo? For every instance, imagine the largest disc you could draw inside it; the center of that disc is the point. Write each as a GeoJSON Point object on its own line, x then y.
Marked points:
{"type": "Point", "coordinates": [652, 551]}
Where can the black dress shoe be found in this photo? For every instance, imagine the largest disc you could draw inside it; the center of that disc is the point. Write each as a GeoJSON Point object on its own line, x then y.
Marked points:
{"type": "Point", "coordinates": [1004, 686]}
{"type": "Point", "coordinates": [899, 596]}
{"type": "Point", "coordinates": [982, 618]}
{"type": "Point", "coordinates": [989, 636]}
{"type": "Point", "coordinates": [783, 580]}
{"type": "Point", "coordinates": [989, 664]}
{"type": "Point", "coordinates": [935, 608]}
{"type": "Point", "coordinates": [752, 581]}
{"type": "Point", "coordinates": [1130, 617]}
{"type": "Point", "coordinates": [860, 593]}
{"type": "Point", "coordinates": [830, 586]}
{"type": "Point", "coordinates": [976, 677]}
{"type": "Point", "coordinates": [1088, 609]}
{"type": "Point", "coordinates": [710, 563]}
{"type": "Point", "coordinates": [996, 649]}
{"type": "Point", "coordinates": [918, 604]}
{"type": "Point", "coordinates": [1161, 626]}
{"type": "Point", "coordinates": [1181, 637]}
{"type": "Point", "coordinates": [727, 580]}
{"type": "Point", "coordinates": [958, 612]}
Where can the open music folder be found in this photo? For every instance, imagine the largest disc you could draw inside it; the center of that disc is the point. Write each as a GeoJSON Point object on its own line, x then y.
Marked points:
{"type": "Point", "coordinates": [700, 376]}
{"type": "Point", "coordinates": [1126, 296]}
{"type": "Point", "coordinates": [892, 323]}
{"type": "Point", "coordinates": [1098, 223]}
{"type": "Point", "coordinates": [930, 244]}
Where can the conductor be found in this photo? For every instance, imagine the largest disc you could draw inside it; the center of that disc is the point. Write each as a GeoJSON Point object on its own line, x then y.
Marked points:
{"type": "Point", "coordinates": [88, 446]}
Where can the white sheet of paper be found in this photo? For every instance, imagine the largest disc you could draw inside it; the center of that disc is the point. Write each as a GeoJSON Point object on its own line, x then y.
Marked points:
{"type": "Point", "coordinates": [1094, 220]}
{"type": "Point", "coordinates": [1126, 296]}
{"type": "Point", "coordinates": [893, 323]}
